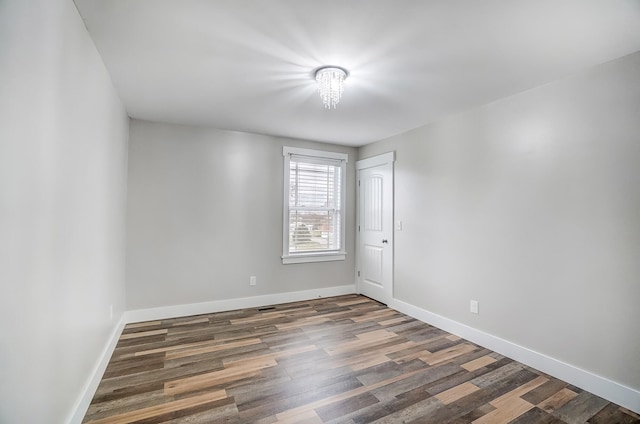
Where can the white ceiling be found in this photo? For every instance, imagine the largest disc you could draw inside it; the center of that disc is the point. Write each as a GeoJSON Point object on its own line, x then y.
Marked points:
{"type": "Point", "coordinates": [247, 65]}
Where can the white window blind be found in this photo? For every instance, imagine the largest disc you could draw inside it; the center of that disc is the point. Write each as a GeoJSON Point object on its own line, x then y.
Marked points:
{"type": "Point", "coordinates": [314, 205]}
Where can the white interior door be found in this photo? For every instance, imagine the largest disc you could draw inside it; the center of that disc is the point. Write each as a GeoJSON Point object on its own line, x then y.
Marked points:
{"type": "Point", "coordinates": [375, 227]}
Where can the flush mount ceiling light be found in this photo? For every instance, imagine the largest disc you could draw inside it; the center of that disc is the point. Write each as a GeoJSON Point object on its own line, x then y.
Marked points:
{"type": "Point", "coordinates": [330, 81]}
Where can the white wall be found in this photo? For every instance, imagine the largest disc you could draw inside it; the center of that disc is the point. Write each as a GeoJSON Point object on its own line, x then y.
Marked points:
{"type": "Point", "coordinates": [204, 213]}
{"type": "Point", "coordinates": [63, 135]}
{"type": "Point", "coordinates": [531, 205]}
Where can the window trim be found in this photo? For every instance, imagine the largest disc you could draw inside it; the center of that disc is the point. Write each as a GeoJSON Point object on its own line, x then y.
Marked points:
{"type": "Point", "coordinates": [306, 257]}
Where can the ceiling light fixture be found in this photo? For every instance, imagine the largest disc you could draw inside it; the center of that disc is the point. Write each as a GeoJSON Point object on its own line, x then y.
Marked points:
{"type": "Point", "coordinates": [330, 81]}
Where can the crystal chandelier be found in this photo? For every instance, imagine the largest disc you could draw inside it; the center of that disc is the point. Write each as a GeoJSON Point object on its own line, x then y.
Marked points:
{"type": "Point", "coordinates": [330, 85]}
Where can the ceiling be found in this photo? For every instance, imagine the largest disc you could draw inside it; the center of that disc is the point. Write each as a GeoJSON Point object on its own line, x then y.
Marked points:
{"type": "Point", "coordinates": [247, 65]}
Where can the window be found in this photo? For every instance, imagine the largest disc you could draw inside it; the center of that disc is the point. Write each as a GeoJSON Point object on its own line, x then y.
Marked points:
{"type": "Point", "coordinates": [314, 198]}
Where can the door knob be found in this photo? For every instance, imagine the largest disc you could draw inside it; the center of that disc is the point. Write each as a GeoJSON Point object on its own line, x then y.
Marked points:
{"type": "Point", "coordinates": [385, 241]}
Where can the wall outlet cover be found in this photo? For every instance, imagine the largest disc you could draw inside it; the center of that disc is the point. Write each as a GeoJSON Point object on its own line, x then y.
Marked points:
{"type": "Point", "coordinates": [473, 306]}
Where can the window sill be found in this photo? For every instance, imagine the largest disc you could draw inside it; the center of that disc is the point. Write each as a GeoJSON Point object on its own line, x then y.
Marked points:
{"type": "Point", "coordinates": [313, 257]}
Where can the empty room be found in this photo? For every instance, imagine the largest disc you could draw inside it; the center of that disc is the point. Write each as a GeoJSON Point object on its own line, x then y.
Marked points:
{"type": "Point", "coordinates": [295, 211]}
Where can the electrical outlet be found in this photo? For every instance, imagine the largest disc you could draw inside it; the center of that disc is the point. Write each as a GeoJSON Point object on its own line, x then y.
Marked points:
{"type": "Point", "coordinates": [473, 307]}
{"type": "Point", "coordinates": [252, 280]}
{"type": "Point", "coordinates": [398, 225]}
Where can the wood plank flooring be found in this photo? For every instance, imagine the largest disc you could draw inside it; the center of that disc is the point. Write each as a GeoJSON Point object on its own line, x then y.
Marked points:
{"type": "Point", "coordinates": [345, 359]}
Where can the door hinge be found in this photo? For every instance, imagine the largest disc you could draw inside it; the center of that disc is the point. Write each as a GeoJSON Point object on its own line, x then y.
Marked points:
{"type": "Point", "coordinates": [358, 183]}
{"type": "Point", "coordinates": [358, 228]}
{"type": "Point", "coordinates": [358, 273]}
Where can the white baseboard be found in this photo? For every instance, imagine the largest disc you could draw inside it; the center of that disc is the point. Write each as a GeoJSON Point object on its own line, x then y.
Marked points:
{"type": "Point", "coordinates": [166, 312]}
{"type": "Point", "coordinates": [601, 386]}
{"type": "Point", "coordinates": [81, 406]}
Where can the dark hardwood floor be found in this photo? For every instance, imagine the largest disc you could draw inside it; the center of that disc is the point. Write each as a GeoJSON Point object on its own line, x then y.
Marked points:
{"type": "Point", "coordinates": [345, 359]}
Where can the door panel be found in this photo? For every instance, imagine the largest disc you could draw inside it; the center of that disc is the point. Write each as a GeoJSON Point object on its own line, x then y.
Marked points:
{"type": "Point", "coordinates": [372, 265]}
{"type": "Point", "coordinates": [372, 197]}
{"type": "Point", "coordinates": [375, 241]}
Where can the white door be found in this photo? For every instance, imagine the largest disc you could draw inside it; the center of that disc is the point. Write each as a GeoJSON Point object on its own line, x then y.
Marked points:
{"type": "Point", "coordinates": [375, 227]}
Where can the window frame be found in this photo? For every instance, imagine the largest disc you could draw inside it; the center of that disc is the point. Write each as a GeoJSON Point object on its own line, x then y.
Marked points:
{"type": "Point", "coordinates": [315, 256]}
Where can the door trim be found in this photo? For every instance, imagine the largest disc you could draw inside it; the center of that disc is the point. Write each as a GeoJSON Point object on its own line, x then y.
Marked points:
{"type": "Point", "coordinates": [382, 159]}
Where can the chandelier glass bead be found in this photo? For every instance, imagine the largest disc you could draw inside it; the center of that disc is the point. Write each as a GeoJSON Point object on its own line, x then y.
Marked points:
{"type": "Point", "coordinates": [330, 81]}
